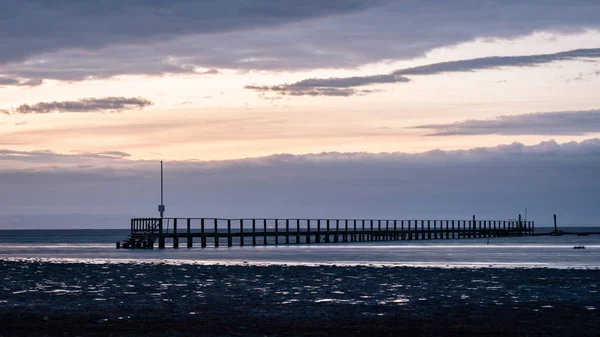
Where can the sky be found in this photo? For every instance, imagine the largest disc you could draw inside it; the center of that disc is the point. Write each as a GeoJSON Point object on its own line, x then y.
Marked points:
{"type": "Point", "coordinates": [392, 109]}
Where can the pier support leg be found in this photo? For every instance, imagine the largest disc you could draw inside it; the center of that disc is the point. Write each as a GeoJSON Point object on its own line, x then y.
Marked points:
{"type": "Point", "coordinates": [216, 234]}
{"type": "Point", "coordinates": [242, 236]}
{"type": "Point", "coordinates": [189, 234]}
{"type": "Point", "coordinates": [276, 231]}
{"type": "Point", "coordinates": [202, 234]}
{"type": "Point", "coordinates": [229, 237]}
{"type": "Point", "coordinates": [161, 238]}
{"type": "Point", "coordinates": [318, 236]}
{"type": "Point", "coordinates": [429, 229]}
{"type": "Point", "coordinates": [265, 232]}
{"type": "Point", "coordinates": [254, 232]}
{"type": "Point", "coordinates": [287, 231]}
{"type": "Point", "coordinates": [175, 235]}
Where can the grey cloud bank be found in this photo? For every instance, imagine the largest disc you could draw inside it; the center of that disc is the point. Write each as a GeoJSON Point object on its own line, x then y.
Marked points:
{"type": "Point", "coordinates": [106, 104]}
{"type": "Point", "coordinates": [79, 40]}
{"type": "Point", "coordinates": [496, 182]}
{"type": "Point", "coordinates": [543, 123]}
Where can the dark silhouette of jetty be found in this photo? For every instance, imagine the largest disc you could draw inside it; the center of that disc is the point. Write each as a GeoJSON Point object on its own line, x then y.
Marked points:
{"type": "Point", "coordinates": [145, 232]}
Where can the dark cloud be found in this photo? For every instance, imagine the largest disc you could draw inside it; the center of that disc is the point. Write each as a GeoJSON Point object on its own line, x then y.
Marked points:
{"type": "Point", "coordinates": [106, 104]}
{"type": "Point", "coordinates": [498, 62]}
{"type": "Point", "coordinates": [309, 86]}
{"type": "Point", "coordinates": [329, 86]}
{"type": "Point", "coordinates": [52, 158]}
{"type": "Point", "coordinates": [210, 72]}
{"type": "Point", "coordinates": [9, 81]}
{"type": "Point", "coordinates": [544, 123]}
{"type": "Point", "coordinates": [76, 40]}
{"type": "Point", "coordinates": [76, 24]}
{"type": "Point", "coordinates": [496, 182]}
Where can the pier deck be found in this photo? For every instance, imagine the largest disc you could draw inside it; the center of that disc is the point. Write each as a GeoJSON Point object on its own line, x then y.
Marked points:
{"type": "Point", "coordinates": [215, 232]}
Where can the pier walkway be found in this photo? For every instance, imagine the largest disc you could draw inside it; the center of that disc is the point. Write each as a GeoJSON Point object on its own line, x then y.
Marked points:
{"type": "Point", "coordinates": [215, 232]}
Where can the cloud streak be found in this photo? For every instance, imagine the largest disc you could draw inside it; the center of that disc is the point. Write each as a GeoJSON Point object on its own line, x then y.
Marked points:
{"type": "Point", "coordinates": [85, 105]}
{"type": "Point", "coordinates": [543, 123]}
{"type": "Point", "coordinates": [496, 62]}
{"type": "Point", "coordinates": [332, 86]}
{"type": "Point", "coordinates": [329, 86]}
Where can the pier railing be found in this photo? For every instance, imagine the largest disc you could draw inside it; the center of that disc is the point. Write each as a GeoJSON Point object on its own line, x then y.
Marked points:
{"type": "Point", "coordinates": [263, 231]}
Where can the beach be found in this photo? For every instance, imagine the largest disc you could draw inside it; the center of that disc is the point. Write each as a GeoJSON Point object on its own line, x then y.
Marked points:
{"type": "Point", "coordinates": [40, 298]}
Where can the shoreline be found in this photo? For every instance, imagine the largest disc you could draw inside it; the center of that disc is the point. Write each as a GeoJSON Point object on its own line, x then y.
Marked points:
{"type": "Point", "coordinates": [237, 263]}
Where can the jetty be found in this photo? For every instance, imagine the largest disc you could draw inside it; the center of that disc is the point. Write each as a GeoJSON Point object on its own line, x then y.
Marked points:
{"type": "Point", "coordinates": [217, 232]}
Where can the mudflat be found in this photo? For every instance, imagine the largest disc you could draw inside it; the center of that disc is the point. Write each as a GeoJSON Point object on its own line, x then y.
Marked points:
{"type": "Point", "coordinates": [152, 299]}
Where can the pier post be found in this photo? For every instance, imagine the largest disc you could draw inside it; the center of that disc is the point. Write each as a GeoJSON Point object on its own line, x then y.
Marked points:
{"type": "Point", "coordinates": [428, 229]}
{"type": "Point", "coordinates": [254, 232]}
{"type": "Point", "coordinates": [287, 231]}
{"type": "Point", "coordinates": [402, 234]}
{"type": "Point", "coordinates": [216, 236]}
{"type": "Point", "coordinates": [533, 227]}
{"type": "Point", "coordinates": [453, 231]}
{"type": "Point", "coordinates": [327, 231]}
{"type": "Point", "coordinates": [161, 237]}
{"type": "Point", "coordinates": [241, 232]}
{"type": "Point", "coordinates": [370, 237]}
{"type": "Point", "coordinates": [346, 231]}
{"type": "Point", "coordinates": [336, 237]}
{"type": "Point", "coordinates": [362, 233]}
{"type": "Point", "coordinates": [484, 228]}
{"type": "Point", "coordinates": [276, 232]}
{"type": "Point", "coordinates": [447, 231]}
{"type": "Point", "coordinates": [555, 227]}
{"type": "Point", "coordinates": [175, 236]}
{"type": "Point", "coordinates": [189, 234]}
{"type": "Point", "coordinates": [265, 232]}
{"type": "Point", "coordinates": [202, 234]}
{"type": "Point", "coordinates": [395, 231]}
{"type": "Point", "coordinates": [297, 231]}
{"type": "Point", "coordinates": [229, 237]}
{"type": "Point", "coordinates": [387, 230]}
{"type": "Point", "coordinates": [353, 238]}
{"type": "Point", "coordinates": [423, 229]}
{"type": "Point", "coordinates": [307, 230]}
{"type": "Point", "coordinates": [318, 236]}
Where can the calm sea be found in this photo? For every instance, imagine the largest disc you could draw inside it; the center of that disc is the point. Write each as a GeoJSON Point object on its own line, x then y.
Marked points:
{"type": "Point", "coordinates": [98, 246]}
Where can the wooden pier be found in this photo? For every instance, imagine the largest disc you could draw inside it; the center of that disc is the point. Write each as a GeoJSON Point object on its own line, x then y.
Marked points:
{"type": "Point", "coordinates": [215, 232]}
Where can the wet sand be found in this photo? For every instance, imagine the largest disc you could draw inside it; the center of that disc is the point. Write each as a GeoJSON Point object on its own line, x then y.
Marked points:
{"type": "Point", "coordinates": [78, 299]}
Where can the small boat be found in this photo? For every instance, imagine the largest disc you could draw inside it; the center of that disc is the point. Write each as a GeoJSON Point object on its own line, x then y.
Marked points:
{"type": "Point", "coordinates": [579, 247]}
